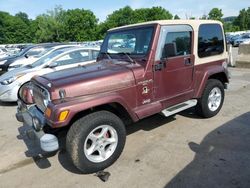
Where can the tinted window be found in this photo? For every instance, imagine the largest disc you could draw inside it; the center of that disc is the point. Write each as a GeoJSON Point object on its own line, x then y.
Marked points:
{"type": "Point", "coordinates": [177, 44]}
{"type": "Point", "coordinates": [210, 40]}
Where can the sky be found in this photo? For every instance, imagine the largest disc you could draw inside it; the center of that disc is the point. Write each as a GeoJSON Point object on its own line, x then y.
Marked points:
{"type": "Point", "coordinates": [183, 8]}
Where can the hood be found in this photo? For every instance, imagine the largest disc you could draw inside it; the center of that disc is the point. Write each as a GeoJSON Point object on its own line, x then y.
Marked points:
{"type": "Point", "coordinates": [95, 78]}
{"type": "Point", "coordinates": [9, 57]}
{"type": "Point", "coordinates": [15, 72]}
{"type": "Point", "coordinates": [24, 61]}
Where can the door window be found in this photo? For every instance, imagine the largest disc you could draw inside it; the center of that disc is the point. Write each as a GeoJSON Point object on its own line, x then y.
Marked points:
{"type": "Point", "coordinates": [95, 54]}
{"type": "Point", "coordinates": [174, 41]}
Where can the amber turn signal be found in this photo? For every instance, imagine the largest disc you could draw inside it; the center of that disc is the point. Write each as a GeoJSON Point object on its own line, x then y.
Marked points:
{"type": "Point", "coordinates": [48, 112]}
{"type": "Point", "coordinates": [63, 115]}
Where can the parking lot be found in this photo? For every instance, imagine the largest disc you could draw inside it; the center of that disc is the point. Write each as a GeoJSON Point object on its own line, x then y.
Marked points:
{"type": "Point", "coordinates": [180, 151]}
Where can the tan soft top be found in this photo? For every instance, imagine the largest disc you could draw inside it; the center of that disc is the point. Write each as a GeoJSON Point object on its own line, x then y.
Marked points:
{"type": "Point", "coordinates": [193, 23]}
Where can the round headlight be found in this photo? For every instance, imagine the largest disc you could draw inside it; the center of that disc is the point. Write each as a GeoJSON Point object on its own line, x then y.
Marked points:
{"type": "Point", "coordinates": [46, 102]}
{"type": "Point", "coordinates": [46, 97]}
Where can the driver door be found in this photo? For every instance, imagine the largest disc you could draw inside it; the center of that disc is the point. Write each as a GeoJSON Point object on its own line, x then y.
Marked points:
{"type": "Point", "coordinates": [173, 69]}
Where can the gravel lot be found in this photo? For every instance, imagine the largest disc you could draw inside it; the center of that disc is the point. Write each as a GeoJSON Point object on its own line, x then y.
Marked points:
{"type": "Point", "coordinates": [181, 151]}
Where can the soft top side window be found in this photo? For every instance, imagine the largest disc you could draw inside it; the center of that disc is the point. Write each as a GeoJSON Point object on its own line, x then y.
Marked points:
{"type": "Point", "coordinates": [210, 40]}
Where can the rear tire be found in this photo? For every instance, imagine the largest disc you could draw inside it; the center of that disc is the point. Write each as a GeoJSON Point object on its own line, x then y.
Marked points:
{"type": "Point", "coordinates": [96, 141]}
{"type": "Point", "coordinates": [212, 99]}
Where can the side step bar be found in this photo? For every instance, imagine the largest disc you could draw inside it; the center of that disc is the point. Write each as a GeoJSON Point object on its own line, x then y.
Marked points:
{"type": "Point", "coordinates": [178, 108]}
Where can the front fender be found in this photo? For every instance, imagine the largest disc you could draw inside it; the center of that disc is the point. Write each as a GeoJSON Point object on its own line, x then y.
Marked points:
{"type": "Point", "coordinates": [81, 104]}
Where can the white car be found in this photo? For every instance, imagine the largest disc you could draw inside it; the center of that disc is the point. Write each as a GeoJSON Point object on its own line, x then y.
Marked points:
{"type": "Point", "coordinates": [3, 53]}
{"type": "Point", "coordinates": [60, 59]}
{"type": "Point", "coordinates": [25, 61]}
{"type": "Point", "coordinates": [246, 42]}
{"type": "Point", "coordinates": [245, 39]}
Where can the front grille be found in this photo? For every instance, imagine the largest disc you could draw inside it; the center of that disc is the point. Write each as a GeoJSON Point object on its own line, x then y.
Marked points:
{"type": "Point", "coordinates": [39, 94]}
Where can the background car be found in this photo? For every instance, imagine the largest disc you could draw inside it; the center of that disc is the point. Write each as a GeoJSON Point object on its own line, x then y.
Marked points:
{"type": "Point", "coordinates": [243, 39]}
{"type": "Point", "coordinates": [3, 53]}
{"type": "Point", "coordinates": [25, 54]}
{"type": "Point", "coordinates": [60, 59]}
{"type": "Point", "coordinates": [23, 61]}
{"type": "Point", "coordinates": [233, 38]}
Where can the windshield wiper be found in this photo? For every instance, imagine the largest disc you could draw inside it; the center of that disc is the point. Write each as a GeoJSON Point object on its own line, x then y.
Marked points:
{"type": "Point", "coordinates": [107, 54]}
{"type": "Point", "coordinates": [127, 54]}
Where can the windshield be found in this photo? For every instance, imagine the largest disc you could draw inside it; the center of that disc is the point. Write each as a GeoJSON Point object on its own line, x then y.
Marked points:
{"type": "Point", "coordinates": [43, 52]}
{"type": "Point", "coordinates": [46, 58]}
{"type": "Point", "coordinates": [20, 53]}
{"type": "Point", "coordinates": [133, 41]}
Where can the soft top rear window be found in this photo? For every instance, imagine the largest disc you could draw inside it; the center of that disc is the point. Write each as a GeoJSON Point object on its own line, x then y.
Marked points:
{"type": "Point", "coordinates": [210, 41]}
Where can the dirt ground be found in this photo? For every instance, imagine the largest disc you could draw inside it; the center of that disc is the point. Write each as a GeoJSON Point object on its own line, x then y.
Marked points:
{"type": "Point", "coordinates": [180, 151]}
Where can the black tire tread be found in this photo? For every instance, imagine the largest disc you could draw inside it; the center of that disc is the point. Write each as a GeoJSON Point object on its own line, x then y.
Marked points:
{"type": "Point", "coordinates": [83, 126]}
{"type": "Point", "coordinates": [201, 107]}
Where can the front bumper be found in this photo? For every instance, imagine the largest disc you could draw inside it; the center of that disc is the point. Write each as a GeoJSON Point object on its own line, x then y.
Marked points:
{"type": "Point", "coordinates": [32, 117]}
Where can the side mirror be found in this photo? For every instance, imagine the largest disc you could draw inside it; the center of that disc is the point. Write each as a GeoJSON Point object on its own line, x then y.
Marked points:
{"type": "Point", "coordinates": [26, 55]}
{"type": "Point", "coordinates": [53, 65]}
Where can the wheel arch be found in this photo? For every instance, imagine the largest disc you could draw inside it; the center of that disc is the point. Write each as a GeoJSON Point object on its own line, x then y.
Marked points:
{"type": "Point", "coordinates": [218, 73]}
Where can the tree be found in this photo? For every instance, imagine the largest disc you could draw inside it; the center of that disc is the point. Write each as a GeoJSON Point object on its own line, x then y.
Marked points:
{"type": "Point", "coordinates": [215, 14]}
{"type": "Point", "coordinates": [230, 27]}
{"type": "Point", "coordinates": [204, 17]}
{"type": "Point", "coordinates": [13, 29]}
{"type": "Point", "coordinates": [150, 14]}
{"type": "Point", "coordinates": [243, 20]}
{"type": "Point", "coordinates": [50, 26]}
{"type": "Point", "coordinates": [127, 15]}
{"type": "Point", "coordinates": [176, 17]}
{"type": "Point", "coordinates": [158, 13]}
{"type": "Point", "coordinates": [24, 17]}
{"type": "Point", "coordinates": [123, 16]}
{"type": "Point", "coordinates": [80, 25]}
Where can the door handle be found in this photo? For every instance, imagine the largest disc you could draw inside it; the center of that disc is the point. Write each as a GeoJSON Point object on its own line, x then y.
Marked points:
{"type": "Point", "coordinates": [160, 66]}
{"type": "Point", "coordinates": [187, 61]}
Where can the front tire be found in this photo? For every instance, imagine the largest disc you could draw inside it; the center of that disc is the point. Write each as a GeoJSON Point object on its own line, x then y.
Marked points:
{"type": "Point", "coordinates": [96, 141]}
{"type": "Point", "coordinates": [212, 99]}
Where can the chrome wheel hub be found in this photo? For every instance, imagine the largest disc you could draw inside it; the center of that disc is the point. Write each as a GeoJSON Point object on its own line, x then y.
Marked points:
{"type": "Point", "coordinates": [101, 143]}
{"type": "Point", "coordinates": [214, 99]}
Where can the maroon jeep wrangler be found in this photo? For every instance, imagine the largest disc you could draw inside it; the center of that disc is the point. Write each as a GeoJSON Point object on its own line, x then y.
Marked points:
{"type": "Point", "coordinates": [143, 69]}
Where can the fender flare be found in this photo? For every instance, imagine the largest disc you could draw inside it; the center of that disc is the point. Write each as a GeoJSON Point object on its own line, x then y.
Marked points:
{"type": "Point", "coordinates": [84, 103]}
{"type": "Point", "coordinates": [202, 77]}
